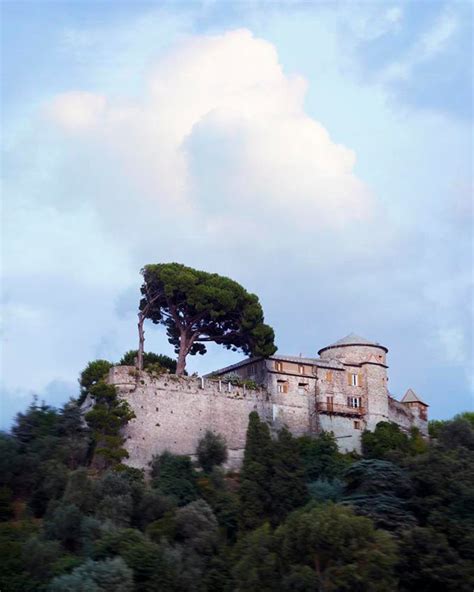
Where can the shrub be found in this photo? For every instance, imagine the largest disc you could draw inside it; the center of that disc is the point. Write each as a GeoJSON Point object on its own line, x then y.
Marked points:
{"type": "Point", "coordinates": [211, 451]}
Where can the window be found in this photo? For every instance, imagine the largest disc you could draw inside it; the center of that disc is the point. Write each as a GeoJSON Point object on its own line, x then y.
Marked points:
{"type": "Point", "coordinates": [282, 386]}
{"type": "Point", "coordinates": [329, 375]}
{"type": "Point", "coordinates": [423, 414]}
{"type": "Point", "coordinates": [357, 425]}
{"type": "Point", "coordinates": [354, 402]}
{"type": "Point", "coordinates": [278, 366]}
{"type": "Point", "coordinates": [354, 379]}
{"type": "Point", "coordinates": [301, 369]}
{"type": "Point", "coordinates": [302, 388]}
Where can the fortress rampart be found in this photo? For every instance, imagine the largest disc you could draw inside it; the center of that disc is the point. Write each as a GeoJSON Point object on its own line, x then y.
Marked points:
{"type": "Point", "coordinates": [173, 413]}
{"type": "Point", "coordinates": [345, 391]}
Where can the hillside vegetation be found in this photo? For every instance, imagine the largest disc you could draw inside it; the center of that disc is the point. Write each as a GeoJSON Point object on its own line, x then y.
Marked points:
{"type": "Point", "coordinates": [300, 516]}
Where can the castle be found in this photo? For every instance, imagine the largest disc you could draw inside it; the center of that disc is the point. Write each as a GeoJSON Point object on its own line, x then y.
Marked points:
{"type": "Point", "coordinates": [343, 390]}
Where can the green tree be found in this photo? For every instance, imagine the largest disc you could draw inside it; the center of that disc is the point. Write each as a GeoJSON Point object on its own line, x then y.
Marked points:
{"type": "Point", "coordinates": [173, 475]}
{"type": "Point", "coordinates": [321, 457]}
{"type": "Point", "coordinates": [345, 551]}
{"type": "Point", "coordinates": [197, 307]}
{"type": "Point", "coordinates": [65, 525]}
{"type": "Point", "coordinates": [106, 419]}
{"type": "Point", "coordinates": [380, 490]}
{"type": "Point", "coordinates": [429, 564]}
{"type": "Point", "coordinates": [457, 433]}
{"type": "Point", "coordinates": [257, 565]}
{"type": "Point", "coordinates": [211, 451]}
{"type": "Point", "coordinates": [150, 361]}
{"type": "Point", "coordinates": [443, 497]}
{"type": "Point", "coordinates": [288, 489]}
{"type": "Point", "coordinates": [256, 474]}
{"type": "Point", "coordinates": [387, 442]}
{"type": "Point", "coordinates": [93, 373]}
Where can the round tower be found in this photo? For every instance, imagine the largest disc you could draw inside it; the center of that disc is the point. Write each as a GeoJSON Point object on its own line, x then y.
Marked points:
{"type": "Point", "coordinates": [365, 383]}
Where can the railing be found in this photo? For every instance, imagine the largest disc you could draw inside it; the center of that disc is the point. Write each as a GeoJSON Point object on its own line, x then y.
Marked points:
{"type": "Point", "coordinates": [333, 409]}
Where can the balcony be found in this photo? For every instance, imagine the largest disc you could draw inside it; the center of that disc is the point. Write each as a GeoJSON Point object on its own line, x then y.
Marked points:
{"type": "Point", "coordinates": [333, 409]}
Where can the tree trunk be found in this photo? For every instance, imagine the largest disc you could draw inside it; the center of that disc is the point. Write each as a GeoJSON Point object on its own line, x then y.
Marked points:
{"type": "Point", "coordinates": [183, 352]}
{"type": "Point", "coordinates": [141, 340]}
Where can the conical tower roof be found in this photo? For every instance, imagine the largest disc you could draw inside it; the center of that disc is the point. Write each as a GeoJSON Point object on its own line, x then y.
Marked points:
{"type": "Point", "coordinates": [353, 339]}
{"type": "Point", "coordinates": [411, 397]}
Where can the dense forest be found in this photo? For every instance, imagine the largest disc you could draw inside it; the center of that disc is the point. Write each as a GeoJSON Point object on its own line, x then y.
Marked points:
{"type": "Point", "coordinates": [300, 516]}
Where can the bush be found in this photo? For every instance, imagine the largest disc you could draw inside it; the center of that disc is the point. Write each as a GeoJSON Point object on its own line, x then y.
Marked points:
{"type": "Point", "coordinates": [93, 373]}
{"type": "Point", "coordinates": [173, 475]}
{"type": "Point", "coordinates": [151, 362]}
{"type": "Point", "coordinates": [211, 451]}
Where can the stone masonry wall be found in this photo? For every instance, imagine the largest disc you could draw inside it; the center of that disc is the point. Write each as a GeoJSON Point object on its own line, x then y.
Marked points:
{"type": "Point", "coordinates": [173, 413]}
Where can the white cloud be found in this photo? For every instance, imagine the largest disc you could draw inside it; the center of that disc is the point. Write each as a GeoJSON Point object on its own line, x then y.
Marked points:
{"type": "Point", "coordinates": [430, 44]}
{"type": "Point", "coordinates": [77, 110]}
{"type": "Point", "coordinates": [219, 99]}
{"type": "Point", "coordinates": [373, 21]}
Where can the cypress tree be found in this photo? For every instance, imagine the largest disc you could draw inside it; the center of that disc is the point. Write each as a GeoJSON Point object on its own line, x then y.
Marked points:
{"type": "Point", "coordinates": [288, 487]}
{"type": "Point", "coordinates": [254, 494]}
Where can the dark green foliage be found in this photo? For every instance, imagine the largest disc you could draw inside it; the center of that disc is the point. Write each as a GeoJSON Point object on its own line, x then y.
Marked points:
{"type": "Point", "coordinates": [387, 441]}
{"type": "Point", "coordinates": [111, 575]}
{"type": "Point", "coordinates": [458, 433]}
{"type": "Point", "coordinates": [152, 506]}
{"type": "Point", "coordinates": [64, 524]}
{"type": "Point", "coordinates": [106, 418]}
{"type": "Point", "coordinates": [155, 362]}
{"type": "Point", "coordinates": [173, 475]}
{"type": "Point", "coordinates": [346, 552]}
{"type": "Point", "coordinates": [39, 557]}
{"type": "Point", "coordinates": [288, 489]}
{"type": "Point", "coordinates": [321, 457]}
{"type": "Point", "coordinates": [256, 473]}
{"type": "Point", "coordinates": [257, 566]}
{"type": "Point", "coordinates": [429, 564]}
{"type": "Point", "coordinates": [6, 503]}
{"type": "Point", "coordinates": [197, 307]}
{"type": "Point", "coordinates": [211, 451]}
{"type": "Point", "coordinates": [326, 491]}
{"type": "Point", "coordinates": [92, 374]}
{"type": "Point", "coordinates": [80, 491]}
{"type": "Point", "coordinates": [214, 489]}
{"type": "Point", "coordinates": [300, 578]}
{"type": "Point", "coordinates": [380, 490]}
{"type": "Point", "coordinates": [103, 529]}
{"type": "Point", "coordinates": [443, 498]}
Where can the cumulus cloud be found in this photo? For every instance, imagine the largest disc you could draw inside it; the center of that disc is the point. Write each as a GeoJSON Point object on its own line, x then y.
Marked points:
{"type": "Point", "coordinates": [220, 117]}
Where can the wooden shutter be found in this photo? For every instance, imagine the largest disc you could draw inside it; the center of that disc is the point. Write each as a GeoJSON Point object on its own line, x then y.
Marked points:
{"type": "Point", "coordinates": [349, 378]}
{"type": "Point", "coordinates": [359, 379]}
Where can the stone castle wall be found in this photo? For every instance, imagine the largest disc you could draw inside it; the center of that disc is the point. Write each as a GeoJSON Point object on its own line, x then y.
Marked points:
{"type": "Point", "coordinates": [173, 413]}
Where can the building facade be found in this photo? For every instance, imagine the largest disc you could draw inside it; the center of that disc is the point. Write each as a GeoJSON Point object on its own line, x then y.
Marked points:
{"type": "Point", "coordinates": [346, 388]}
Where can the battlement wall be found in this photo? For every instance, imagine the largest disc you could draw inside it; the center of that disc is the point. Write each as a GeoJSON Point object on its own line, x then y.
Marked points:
{"type": "Point", "coordinates": [173, 413]}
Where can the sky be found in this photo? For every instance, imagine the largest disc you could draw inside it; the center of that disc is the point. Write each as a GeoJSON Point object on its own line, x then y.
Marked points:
{"type": "Point", "coordinates": [318, 153]}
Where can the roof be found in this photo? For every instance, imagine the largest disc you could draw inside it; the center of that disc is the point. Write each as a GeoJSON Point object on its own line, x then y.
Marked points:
{"type": "Point", "coordinates": [295, 359]}
{"type": "Point", "coordinates": [411, 397]}
{"type": "Point", "coordinates": [309, 361]}
{"type": "Point", "coordinates": [353, 339]}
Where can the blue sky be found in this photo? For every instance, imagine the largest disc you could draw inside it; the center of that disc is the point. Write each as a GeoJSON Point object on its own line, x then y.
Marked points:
{"type": "Point", "coordinates": [320, 154]}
